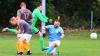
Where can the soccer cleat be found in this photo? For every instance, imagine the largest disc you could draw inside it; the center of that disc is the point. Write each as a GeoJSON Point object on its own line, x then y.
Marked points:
{"type": "Point", "coordinates": [29, 53]}
{"type": "Point", "coordinates": [19, 54]}
{"type": "Point", "coordinates": [45, 49]}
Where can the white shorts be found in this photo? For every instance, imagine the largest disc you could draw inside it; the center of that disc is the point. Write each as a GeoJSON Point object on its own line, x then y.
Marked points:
{"type": "Point", "coordinates": [57, 42]}
{"type": "Point", "coordinates": [25, 36]}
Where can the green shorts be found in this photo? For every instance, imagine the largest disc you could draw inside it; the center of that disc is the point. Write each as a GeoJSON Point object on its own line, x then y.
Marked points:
{"type": "Point", "coordinates": [34, 29]}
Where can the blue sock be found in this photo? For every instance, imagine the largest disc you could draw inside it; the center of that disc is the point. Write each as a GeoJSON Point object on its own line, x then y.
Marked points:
{"type": "Point", "coordinates": [50, 49]}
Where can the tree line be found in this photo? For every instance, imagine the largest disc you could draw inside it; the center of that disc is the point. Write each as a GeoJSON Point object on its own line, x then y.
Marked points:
{"type": "Point", "coordinates": [74, 13]}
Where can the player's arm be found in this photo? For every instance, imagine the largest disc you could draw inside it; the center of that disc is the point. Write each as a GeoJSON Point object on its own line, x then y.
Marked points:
{"type": "Point", "coordinates": [46, 27]}
{"type": "Point", "coordinates": [9, 30]}
{"type": "Point", "coordinates": [32, 19]}
{"type": "Point", "coordinates": [62, 33]}
{"type": "Point", "coordinates": [41, 17]}
{"type": "Point", "coordinates": [18, 14]}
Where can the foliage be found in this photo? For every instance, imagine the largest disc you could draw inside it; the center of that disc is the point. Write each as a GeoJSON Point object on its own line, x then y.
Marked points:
{"type": "Point", "coordinates": [74, 13]}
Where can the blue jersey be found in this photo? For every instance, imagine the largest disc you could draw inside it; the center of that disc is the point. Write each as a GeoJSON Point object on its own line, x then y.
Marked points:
{"type": "Point", "coordinates": [54, 33]}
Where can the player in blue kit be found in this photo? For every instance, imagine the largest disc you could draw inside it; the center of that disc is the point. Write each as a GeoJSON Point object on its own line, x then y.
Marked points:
{"type": "Point", "coordinates": [55, 33]}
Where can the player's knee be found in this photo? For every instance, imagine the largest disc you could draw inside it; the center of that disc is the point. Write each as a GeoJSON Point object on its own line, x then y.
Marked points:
{"type": "Point", "coordinates": [52, 54]}
{"type": "Point", "coordinates": [55, 45]}
{"type": "Point", "coordinates": [39, 33]}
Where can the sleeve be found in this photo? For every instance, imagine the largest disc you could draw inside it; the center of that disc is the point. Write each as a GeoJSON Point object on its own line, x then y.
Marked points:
{"type": "Point", "coordinates": [48, 26]}
{"type": "Point", "coordinates": [41, 17]}
{"type": "Point", "coordinates": [12, 30]}
{"type": "Point", "coordinates": [18, 13]}
{"type": "Point", "coordinates": [30, 14]}
{"type": "Point", "coordinates": [62, 31]}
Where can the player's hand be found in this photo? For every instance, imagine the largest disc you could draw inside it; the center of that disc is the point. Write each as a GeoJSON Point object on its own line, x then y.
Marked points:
{"type": "Point", "coordinates": [43, 28]}
{"type": "Point", "coordinates": [5, 29]}
{"type": "Point", "coordinates": [62, 35]}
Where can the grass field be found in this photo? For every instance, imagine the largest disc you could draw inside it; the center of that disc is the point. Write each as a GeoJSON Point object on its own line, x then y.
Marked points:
{"type": "Point", "coordinates": [74, 44]}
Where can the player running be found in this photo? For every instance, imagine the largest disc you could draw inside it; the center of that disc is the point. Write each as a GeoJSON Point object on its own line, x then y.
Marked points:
{"type": "Point", "coordinates": [24, 34]}
{"type": "Point", "coordinates": [55, 33]}
{"type": "Point", "coordinates": [37, 15]}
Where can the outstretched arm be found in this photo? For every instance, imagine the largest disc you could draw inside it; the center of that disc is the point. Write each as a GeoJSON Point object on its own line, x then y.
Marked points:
{"type": "Point", "coordinates": [9, 30]}
{"type": "Point", "coordinates": [41, 17]}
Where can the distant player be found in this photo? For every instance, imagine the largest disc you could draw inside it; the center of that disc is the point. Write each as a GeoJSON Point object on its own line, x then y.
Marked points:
{"type": "Point", "coordinates": [24, 13]}
{"type": "Point", "coordinates": [24, 34]}
{"type": "Point", "coordinates": [37, 15]}
{"type": "Point", "coordinates": [55, 33]}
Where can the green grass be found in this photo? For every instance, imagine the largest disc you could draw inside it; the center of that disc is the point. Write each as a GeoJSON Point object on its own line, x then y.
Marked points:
{"type": "Point", "coordinates": [74, 44]}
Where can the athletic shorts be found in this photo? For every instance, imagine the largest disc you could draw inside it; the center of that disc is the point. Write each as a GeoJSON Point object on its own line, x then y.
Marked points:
{"type": "Point", "coordinates": [24, 36]}
{"type": "Point", "coordinates": [34, 29]}
{"type": "Point", "coordinates": [57, 42]}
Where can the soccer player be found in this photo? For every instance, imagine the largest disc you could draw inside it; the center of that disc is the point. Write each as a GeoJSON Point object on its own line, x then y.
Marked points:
{"type": "Point", "coordinates": [24, 13]}
{"type": "Point", "coordinates": [55, 33]}
{"type": "Point", "coordinates": [37, 15]}
{"type": "Point", "coordinates": [24, 34]}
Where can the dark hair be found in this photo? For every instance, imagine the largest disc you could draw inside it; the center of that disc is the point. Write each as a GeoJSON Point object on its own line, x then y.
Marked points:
{"type": "Point", "coordinates": [12, 18]}
{"type": "Point", "coordinates": [39, 4]}
{"type": "Point", "coordinates": [21, 4]}
{"type": "Point", "coordinates": [56, 20]}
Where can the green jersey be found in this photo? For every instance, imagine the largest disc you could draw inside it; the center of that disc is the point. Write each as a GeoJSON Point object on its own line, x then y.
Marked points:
{"type": "Point", "coordinates": [38, 15]}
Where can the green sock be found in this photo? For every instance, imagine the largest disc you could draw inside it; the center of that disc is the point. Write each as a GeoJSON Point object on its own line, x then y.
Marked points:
{"type": "Point", "coordinates": [57, 53]}
{"type": "Point", "coordinates": [42, 45]}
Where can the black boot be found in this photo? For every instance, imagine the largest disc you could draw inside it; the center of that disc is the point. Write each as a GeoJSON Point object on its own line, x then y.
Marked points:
{"type": "Point", "coordinates": [19, 54]}
{"type": "Point", "coordinates": [29, 53]}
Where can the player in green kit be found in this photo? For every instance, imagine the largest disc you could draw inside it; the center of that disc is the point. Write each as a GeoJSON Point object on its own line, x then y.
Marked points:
{"type": "Point", "coordinates": [37, 15]}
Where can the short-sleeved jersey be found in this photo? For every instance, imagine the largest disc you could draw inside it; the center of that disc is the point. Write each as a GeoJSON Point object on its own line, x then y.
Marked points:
{"type": "Point", "coordinates": [25, 14]}
{"type": "Point", "coordinates": [25, 27]}
{"type": "Point", "coordinates": [54, 33]}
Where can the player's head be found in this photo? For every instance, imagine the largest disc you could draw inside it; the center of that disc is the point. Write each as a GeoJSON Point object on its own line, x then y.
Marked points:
{"type": "Point", "coordinates": [56, 23]}
{"type": "Point", "coordinates": [23, 5]}
{"type": "Point", "coordinates": [39, 6]}
{"type": "Point", "coordinates": [13, 21]}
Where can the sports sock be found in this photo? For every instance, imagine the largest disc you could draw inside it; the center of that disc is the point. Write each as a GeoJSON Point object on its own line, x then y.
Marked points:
{"type": "Point", "coordinates": [50, 49]}
{"type": "Point", "coordinates": [57, 53]}
{"type": "Point", "coordinates": [26, 46]}
{"type": "Point", "coordinates": [42, 45]}
{"type": "Point", "coordinates": [19, 47]}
